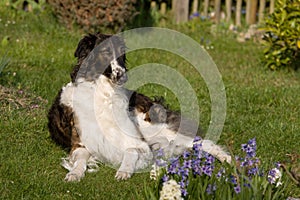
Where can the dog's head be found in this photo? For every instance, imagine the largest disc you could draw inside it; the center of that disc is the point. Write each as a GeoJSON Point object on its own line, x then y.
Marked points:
{"type": "Point", "coordinates": [100, 54]}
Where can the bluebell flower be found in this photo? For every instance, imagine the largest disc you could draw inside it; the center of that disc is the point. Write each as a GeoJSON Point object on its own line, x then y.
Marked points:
{"type": "Point", "coordinates": [165, 178]}
{"type": "Point", "coordinates": [173, 165]}
{"type": "Point", "coordinates": [244, 163]}
{"type": "Point", "coordinates": [186, 154]}
{"type": "Point", "coordinates": [182, 184]}
{"type": "Point", "coordinates": [248, 185]}
{"type": "Point", "coordinates": [237, 189]}
{"type": "Point", "coordinates": [161, 163]}
{"type": "Point", "coordinates": [211, 188]}
{"type": "Point", "coordinates": [184, 192]}
{"type": "Point", "coordinates": [207, 170]}
{"type": "Point", "coordinates": [233, 180]}
{"type": "Point", "coordinates": [160, 153]}
{"type": "Point", "coordinates": [220, 173]}
{"type": "Point", "coordinates": [197, 147]}
{"type": "Point", "coordinates": [198, 138]}
{"type": "Point", "coordinates": [187, 164]}
{"type": "Point", "coordinates": [250, 148]}
{"type": "Point", "coordinates": [184, 172]}
{"type": "Point", "coordinates": [172, 169]}
{"type": "Point", "coordinates": [253, 171]}
{"type": "Point", "coordinates": [252, 142]}
{"type": "Point", "coordinates": [209, 159]}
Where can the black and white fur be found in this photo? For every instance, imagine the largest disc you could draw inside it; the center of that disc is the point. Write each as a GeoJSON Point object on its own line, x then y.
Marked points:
{"type": "Point", "coordinates": [96, 118]}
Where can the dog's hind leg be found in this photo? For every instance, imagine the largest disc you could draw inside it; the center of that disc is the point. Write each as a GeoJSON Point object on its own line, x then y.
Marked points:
{"type": "Point", "coordinates": [77, 164]}
{"type": "Point", "coordinates": [215, 150]}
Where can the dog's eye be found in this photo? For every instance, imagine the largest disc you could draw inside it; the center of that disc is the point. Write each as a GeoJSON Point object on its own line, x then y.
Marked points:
{"type": "Point", "coordinates": [105, 51]}
{"type": "Point", "coordinates": [123, 49]}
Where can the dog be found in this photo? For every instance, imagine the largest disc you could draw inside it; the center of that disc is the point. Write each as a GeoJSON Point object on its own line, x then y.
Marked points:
{"type": "Point", "coordinates": [97, 119]}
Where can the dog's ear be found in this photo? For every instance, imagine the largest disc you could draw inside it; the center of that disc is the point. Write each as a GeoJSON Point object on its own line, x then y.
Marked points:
{"type": "Point", "coordinates": [85, 46]}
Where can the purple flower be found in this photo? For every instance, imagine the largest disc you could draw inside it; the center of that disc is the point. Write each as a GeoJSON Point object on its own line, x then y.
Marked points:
{"type": "Point", "coordinates": [207, 170]}
{"type": "Point", "coordinates": [186, 154]}
{"type": "Point", "coordinates": [197, 147]}
{"type": "Point", "coordinates": [211, 188]}
{"type": "Point", "coordinates": [174, 165]}
{"type": "Point", "coordinates": [247, 185]}
{"type": "Point", "coordinates": [233, 180]}
{"type": "Point", "coordinates": [182, 184]}
{"type": "Point", "coordinates": [184, 172]}
{"type": "Point", "coordinates": [197, 138]}
{"type": "Point", "coordinates": [172, 169]}
{"type": "Point", "coordinates": [187, 164]}
{"type": "Point", "coordinates": [161, 163]}
{"type": "Point", "coordinates": [252, 142]}
{"type": "Point", "coordinates": [209, 159]}
{"type": "Point", "coordinates": [253, 171]}
{"type": "Point", "coordinates": [244, 163]}
{"type": "Point", "coordinates": [220, 172]}
{"type": "Point", "coordinates": [250, 148]}
{"type": "Point", "coordinates": [237, 189]}
{"type": "Point", "coordinates": [165, 178]}
{"type": "Point", "coordinates": [196, 167]}
{"type": "Point", "coordinates": [184, 192]}
{"type": "Point", "coordinates": [160, 153]}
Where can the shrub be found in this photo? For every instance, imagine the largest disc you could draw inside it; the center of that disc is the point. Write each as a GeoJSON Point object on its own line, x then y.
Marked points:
{"type": "Point", "coordinates": [282, 37]}
{"type": "Point", "coordinates": [93, 15]}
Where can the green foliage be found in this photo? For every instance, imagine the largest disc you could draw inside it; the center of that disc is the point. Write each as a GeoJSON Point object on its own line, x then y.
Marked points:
{"type": "Point", "coordinates": [4, 61]}
{"type": "Point", "coordinates": [282, 38]}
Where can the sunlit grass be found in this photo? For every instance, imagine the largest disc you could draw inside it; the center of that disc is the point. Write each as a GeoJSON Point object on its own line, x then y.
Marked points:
{"type": "Point", "coordinates": [260, 104]}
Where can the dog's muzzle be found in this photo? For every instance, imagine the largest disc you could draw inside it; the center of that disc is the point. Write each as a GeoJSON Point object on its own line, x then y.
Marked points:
{"type": "Point", "coordinates": [118, 75]}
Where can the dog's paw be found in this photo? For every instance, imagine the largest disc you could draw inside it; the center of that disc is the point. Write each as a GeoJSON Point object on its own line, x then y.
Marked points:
{"type": "Point", "coordinates": [123, 175]}
{"type": "Point", "coordinates": [72, 177]}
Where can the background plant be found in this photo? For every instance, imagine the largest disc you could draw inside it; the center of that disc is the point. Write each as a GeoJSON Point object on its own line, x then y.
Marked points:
{"type": "Point", "coordinates": [93, 15]}
{"type": "Point", "coordinates": [282, 39]}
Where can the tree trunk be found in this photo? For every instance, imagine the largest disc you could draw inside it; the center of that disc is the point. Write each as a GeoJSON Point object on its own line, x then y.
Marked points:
{"type": "Point", "coordinates": [173, 6]}
{"type": "Point", "coordinates": [228, 10]}
{"type": "Point", "coordinates": [262, 7]}
{"type": "Point", "coordinates": [182, 11]}
{"type": "Point", "coordinates": [195, 6]}
{"type": "Point", "coordinates": [163, 8]}
{"type": "Point", "coordinates": [217, 10]}
{"type": "Point", "coordinates": [248, 11]}
{"type": "Point", "coordinates": [206, 5]}
{"type": "Point", "coordinates": [272, 6]}
{"type": "Point", "coordinates": [238, 12]}
{"type": "Point", "coordinates": [253, 11]}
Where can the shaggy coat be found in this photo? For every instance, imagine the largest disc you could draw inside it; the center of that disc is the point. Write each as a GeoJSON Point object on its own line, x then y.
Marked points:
{"type": "Point", "coordinates": [97, 119]}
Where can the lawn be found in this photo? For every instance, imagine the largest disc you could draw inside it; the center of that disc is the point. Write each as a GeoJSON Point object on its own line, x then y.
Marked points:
{"type": "Point", "coordinates": [260, 103]}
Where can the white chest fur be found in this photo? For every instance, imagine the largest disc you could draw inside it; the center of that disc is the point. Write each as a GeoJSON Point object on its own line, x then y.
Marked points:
{"type": "Point", "coordinates": [104, 126]}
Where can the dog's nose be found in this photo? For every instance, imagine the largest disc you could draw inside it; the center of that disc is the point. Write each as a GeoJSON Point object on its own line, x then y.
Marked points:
{"type": "Point", "coordinates": [123, 79]}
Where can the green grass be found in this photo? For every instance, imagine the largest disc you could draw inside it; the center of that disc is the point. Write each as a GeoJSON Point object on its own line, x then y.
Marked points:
{"type": "Point", "coordinates": [260, 103]}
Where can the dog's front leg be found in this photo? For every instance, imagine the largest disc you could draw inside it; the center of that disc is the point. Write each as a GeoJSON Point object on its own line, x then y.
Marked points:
{"type": "Point", "coordinates": [128, 164]}
{"type": "Point", "coordinates": [78, 160]}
